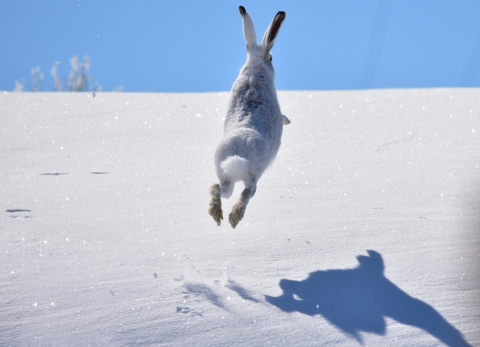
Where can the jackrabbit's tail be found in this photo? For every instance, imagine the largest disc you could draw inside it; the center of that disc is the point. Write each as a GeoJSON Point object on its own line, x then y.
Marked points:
{"type": "Point", "coordinates": [234, 167]}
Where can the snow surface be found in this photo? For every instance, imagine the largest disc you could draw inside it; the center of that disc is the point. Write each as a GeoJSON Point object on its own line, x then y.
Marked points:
{"type": "Point", "coordinates": [364, 231]}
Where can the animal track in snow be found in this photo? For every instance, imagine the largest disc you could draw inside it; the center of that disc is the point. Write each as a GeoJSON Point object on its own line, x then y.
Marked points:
{"type": "Point", "coordinates": [202, 290]}
{"type": "Point", "coordinates": [196, 290]}
{"type": "Point", "coordinates": [241, 291]}
{"type": "Point", "coordinates": [54, 174]}
{"type": "Point", "coordinates": [179, 279]}
{"type": "Point", "coordinates": [19, 210]}
{"type": "Point", "coordinates": [188, 310]}
{"type": "Point", "coordinates": [396, 142]}
{"type": "Point", "coordinates": [229, 283]}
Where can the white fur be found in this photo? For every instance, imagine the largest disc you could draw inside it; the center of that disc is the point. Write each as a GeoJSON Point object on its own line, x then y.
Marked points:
{"type": "Point", "coordinates": [235, 167]}
{"type": "Point", "coordinates": [253, 124]}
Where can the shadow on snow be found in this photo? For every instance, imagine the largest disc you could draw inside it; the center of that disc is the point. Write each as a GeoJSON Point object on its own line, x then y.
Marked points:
{"type": "Point", "coordinates": [358, 299]}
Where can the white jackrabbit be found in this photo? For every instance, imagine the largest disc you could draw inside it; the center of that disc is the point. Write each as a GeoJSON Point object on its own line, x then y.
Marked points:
{"type": "Point", "coordinates": [253, 125]}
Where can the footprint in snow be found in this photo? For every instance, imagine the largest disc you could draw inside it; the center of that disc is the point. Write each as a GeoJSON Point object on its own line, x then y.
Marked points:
{"type": "Point", "coordinates": [241, 291]}
{"type": "Point", "coordinates": [19, 210]}
{"type": "Point", "coordinates": [200, 290]}
{"type": "Point", "coordinates": [229, 283]}
{"type": "Point", "coordinates": [179, 279]}
{"type": "Point", "coordinates": [188, 310]}
{"type": "Point", "coordinates": [396, 142]}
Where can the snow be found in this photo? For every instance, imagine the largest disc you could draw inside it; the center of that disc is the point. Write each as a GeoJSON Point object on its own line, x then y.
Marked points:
{"type": "Point", "coordinates": [365, 231]}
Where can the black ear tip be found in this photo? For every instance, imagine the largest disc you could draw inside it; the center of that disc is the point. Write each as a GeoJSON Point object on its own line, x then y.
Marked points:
{"type": "Point", "coordinates": [282, 15]}
{"type": "Point", "coordinates": [242, 10]}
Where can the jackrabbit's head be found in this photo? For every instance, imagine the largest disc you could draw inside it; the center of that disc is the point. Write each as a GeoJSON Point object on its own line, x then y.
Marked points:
{"type": "Point", "coordinates": [262, 51]}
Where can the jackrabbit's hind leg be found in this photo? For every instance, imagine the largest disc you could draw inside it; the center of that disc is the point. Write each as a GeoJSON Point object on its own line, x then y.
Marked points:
{"type": "Point", "coordinates": [238, 210]}
{"type": "Point", "coordinates": [215, 208]}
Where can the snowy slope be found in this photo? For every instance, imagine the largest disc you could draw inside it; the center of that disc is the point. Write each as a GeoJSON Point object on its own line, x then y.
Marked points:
{"type": "Point", "coordinates": [364, 231]}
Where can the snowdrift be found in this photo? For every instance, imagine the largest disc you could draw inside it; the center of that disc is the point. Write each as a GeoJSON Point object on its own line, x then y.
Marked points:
{"type": "Point", "coordinates": [364, 231]}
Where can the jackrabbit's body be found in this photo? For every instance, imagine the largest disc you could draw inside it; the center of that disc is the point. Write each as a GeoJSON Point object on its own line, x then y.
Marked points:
{"type": "Point", "coordinates": [253, 125]}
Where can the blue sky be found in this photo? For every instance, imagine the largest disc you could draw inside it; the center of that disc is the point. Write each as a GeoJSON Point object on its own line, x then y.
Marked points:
{"type": "Point", "coordinates": [198, 46]}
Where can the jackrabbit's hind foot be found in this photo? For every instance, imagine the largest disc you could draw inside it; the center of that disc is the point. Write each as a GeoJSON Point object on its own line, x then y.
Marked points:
{"type": "Point", "coordinates": [215, 208]}
{"type": "Point", "coordinates": [238, 210]}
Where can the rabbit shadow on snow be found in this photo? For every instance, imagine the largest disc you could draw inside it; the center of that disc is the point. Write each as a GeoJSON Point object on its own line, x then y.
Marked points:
{"type": "Point", "coordinates": [358, 299]}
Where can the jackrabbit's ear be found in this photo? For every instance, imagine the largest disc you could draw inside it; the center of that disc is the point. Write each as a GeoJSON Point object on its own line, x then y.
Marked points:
{"type": "Point", "coordinates": [248, 28]}
{"type": "Point", "coordinates": [272, 31]}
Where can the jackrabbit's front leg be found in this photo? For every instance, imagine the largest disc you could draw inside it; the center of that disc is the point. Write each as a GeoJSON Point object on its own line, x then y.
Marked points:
{"type": "Point", "coordinates": [238, 210]}
{"type": "Point", "coordinates": [215, 208]}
